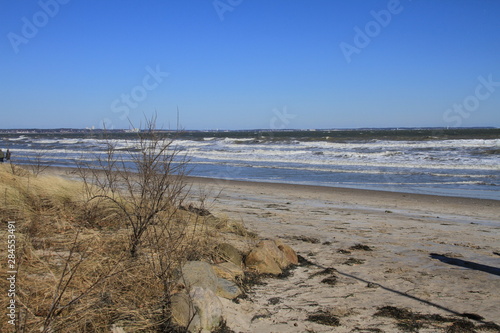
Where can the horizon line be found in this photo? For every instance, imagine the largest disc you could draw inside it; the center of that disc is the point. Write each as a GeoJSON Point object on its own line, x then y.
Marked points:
{"type": "Point", "coordinates": [87, 129]}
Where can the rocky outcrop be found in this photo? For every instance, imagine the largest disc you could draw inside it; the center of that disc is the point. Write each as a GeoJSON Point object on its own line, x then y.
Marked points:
{"type": "Point", "coordinates": [198, 307]}
{"type": "Point", "coordinates": [271, 257]}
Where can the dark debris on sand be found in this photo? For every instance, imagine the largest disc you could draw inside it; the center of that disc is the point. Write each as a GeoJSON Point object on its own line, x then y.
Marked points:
{"type": "Point", "coordinates": [331, 280]}
{"type": "Point", "coordinates": [251, 279]}
{"type": "Point", "coordinates": [305, 262]}
{"type": "Point", "coordinates": [307, 239]}
{"type": "Point", "coordinates": [361, 247]}
{"type": "Point", "coordinates": [366, 330]}
{"type": "Point", "coordinates": [326, 271]}
{"type": "Point", "coordinates": [324, 318]}
{"type": "Point", "coordinates": [354, 261]}
{"type": "Point", "coordinates": [223, 328]}
{"type": "Point", "coordinates": [274, 300]}
{"type": "Point", "coordinates": [409, 321]}
{"type": "Point", "coordinates": [462, 326]}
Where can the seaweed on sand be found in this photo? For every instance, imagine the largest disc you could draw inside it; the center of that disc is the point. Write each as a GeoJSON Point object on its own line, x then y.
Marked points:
{"type": "Point", "coordinates": [307, 239]}
{"type": "Point", "coordinates": [361, 247]}
{"type": "Point", "coordinates": [410, 321]}
{"type": "Point", "coordinates": [324, 318]}
{"type": "Point", "coordinates": [223, 328]}
{"type": "Point", "coordinates": [305, 262]}
{"type": "Point", "coordinates": [326, 271]}
{"type": "Point", "coordinates": [331, 280]}
{"type": "Point", "coordinates": [354, 261]}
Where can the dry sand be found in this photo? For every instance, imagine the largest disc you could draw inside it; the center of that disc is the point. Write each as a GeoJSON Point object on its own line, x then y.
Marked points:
{"type": "Point", "coordinates": [404, 232]}
{"type": "Point", "coordinates": [431, 254]}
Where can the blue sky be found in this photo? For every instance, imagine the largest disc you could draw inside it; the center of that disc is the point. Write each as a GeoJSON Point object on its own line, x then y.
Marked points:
{"type": "Point", "coordinates": [245, 64]}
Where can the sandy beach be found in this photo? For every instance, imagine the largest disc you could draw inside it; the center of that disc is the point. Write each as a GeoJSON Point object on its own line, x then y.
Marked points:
{"type": "Point", "coordinates": [364, 252]}
{"type": "Point", "coordinates": [429, 254]}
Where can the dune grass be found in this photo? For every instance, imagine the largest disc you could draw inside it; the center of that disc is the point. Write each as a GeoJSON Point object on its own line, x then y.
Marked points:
{"type": "Point", "coordinates": [75, 272]}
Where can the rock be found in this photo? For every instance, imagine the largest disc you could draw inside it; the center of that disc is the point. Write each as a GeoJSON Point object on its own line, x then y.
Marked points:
{"type": "Point", "coordinates": [208, 308]}
{"type": "Point", "coordinates": [270, 257]}
{"type": "Point", "coordinates": [263, 261]}
{"type": "Point", "coordinates": [290, 254]}
{"type": "Point", "coordinates": [228, 289]}
{"type": "Point", "coordinates": [183, 312]}
{"type": "Point", "coordinates": [200, 274]}
{"type": "Point", "coordinates": [228, 271]}
{"type": "Point", "coordinates": [201, 310]}
{"type": "Point", "coordinates": [230, 253]}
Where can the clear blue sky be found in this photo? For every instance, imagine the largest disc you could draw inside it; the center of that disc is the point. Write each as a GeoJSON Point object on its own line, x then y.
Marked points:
{"type": "Point", "coordinates": [244, 64]}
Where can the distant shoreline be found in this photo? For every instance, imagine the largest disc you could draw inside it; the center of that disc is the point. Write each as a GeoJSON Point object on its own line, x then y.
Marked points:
{"type": "Point", "coordinates": [393, 133]}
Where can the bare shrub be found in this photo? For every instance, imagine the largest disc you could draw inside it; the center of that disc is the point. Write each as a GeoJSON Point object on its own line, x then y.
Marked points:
{"type": "Point", "coordinates": [80, 242]}
{"type": "Point", "coordinates": [37, 163]}
{"type": "Point", "coordinates": [147, 182]}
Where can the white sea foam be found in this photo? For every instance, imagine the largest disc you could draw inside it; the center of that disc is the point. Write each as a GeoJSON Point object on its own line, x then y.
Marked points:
{"type": "Point", "coordinates": [468, 163]}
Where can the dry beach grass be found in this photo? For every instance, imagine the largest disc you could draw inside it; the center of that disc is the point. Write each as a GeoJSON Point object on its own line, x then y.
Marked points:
{"type": "Point", "coordinates": [74, 268]}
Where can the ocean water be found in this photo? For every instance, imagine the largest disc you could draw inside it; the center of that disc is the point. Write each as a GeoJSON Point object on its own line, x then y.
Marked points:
{"type": "Point", "coordinates": [463, 162]}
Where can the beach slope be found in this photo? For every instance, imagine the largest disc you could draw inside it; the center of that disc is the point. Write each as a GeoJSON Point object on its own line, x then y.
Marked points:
{"type": "Point", "coordinates": [374, 261]}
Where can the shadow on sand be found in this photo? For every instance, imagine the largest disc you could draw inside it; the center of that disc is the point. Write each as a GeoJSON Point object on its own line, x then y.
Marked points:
{"type": "Point", "coordinates": [305, 262]}
{"type": "Point", "coordinates": [466, 264]}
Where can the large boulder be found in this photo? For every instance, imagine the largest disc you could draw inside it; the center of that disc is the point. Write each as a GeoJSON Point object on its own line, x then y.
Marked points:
{"type": "Point", "coordinates": [289, 253]}
{"type": "Point", "coordinates": [270, 257]}
{"type": "Point", "coordinates": [208, 308]}
{"type": "Point", "coordinates": [229, 253]}
{"type": "Point", "coordinates": [228, 271]}
{"type": "Point", "coordinates": [183, 312]}
{"type": "Point", "coordinates": [200, 274]}
{"type": "Point", "coordinates": [199, 311]}
{"type": "Point", "coordinates": [264, 259]}
{"type": "Point", "coordinates": [228, 289]}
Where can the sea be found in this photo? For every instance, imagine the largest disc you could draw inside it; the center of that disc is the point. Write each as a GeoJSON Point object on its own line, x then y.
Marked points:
{"type": "Point", "coordinates": [463, 162]}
